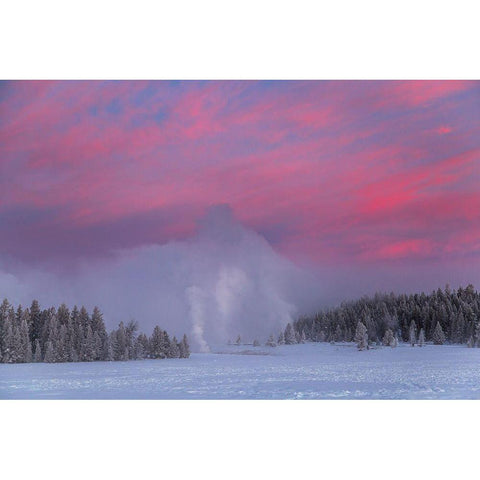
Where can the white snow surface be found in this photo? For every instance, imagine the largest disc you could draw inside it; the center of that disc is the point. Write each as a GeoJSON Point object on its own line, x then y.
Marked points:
{"type": "Point", "coordinates": [310, 371]}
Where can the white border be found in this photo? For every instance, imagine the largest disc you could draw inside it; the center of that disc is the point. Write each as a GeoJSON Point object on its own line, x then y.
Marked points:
{"type": "Point", "coordinates": [217, 39]}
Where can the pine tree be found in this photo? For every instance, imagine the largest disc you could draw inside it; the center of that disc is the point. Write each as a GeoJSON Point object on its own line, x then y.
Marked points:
{"type": "Point", "coordinates": [281, 339]}
{"type": "Point", "coordinates": [184, 348]}
{"type": "Point", "coordinates": [289, 335]}
{"type": "Point", "coordinates": [361, 336]}
{"type": "Point", "coordinates": [25, 347]}
{"type": "Point", "coordinates": [130, 335]}
{"type": "Point", "coordinates": [88, 350]}
{"type": "Point", "coordinates": [438, 335]}
{"type": "Point", "coordinates": [388, 338]}
{"type": "Point", "coordinates": [141, 347]}
{"type": "Point", "coordinates": [412, 334]}
{"type": "Point", "coordinates": [37, 357]}
{"type": "Point", "coordinates": [49, 353]}
{"type": "Point", "coordinates": [156, 343]}
{"type": "Point", "coordinates": [174, 350]}
{"type": "Point", "coordinates": [477, 333]}
{"type": "Point", "coordinates": [421, 338]}
{"type": "Point", "coordinates": [36, 323]}
{"type": "Point", "coordinates": [62, 350]}
{"type": "Point", "coordinates": [120, 345]}
{"type": "Point", "coordinates": [238, 341]}
{"type": "Point", "coordinates": [271, 342]}
{"type": "Point", "coordinates": [256, 343]}
{"type": "Point", "coordinates": [8, 355]}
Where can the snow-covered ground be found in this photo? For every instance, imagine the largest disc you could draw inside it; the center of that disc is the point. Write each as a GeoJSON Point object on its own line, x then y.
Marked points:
{"type": "Point", "coordinates": [288, 372]}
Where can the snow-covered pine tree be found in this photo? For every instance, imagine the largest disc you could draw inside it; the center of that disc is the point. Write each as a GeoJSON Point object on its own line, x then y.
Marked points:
{"type": "Point", "coordinates": [62, 351]}
{"type": "Point", "coordinates": [421, 338]}
{"type": "Point", "coordinates": [338, 335]}
{"type": "Point", "coordinates": [8, 355]}
{"type": "Point", "coordinates": [156, 343]}
{"type": "Point", "coordinates": [36, 323]}
{"type": "Point", "coordinates": [98, 347]}
{"type": "Point", "coordinates": [289, 335]}
{"type": "Point", "coordinates": [471, 342]}
{"type": "Point", "coordinates": [100, 339]}
{"type": "Point", "coordinates": [256, 343]}
{"type": "Point", "coordinates": [88, 351]}
{"type": "Point", "coordinates": [361, 336]}
{"type": "Point", "coordinates": [271, 342]}
{"type": "Point", "coordinates": [120, 343]}
{"type": "Point", "coordinates": [412, 333]}
{"type": "Point", "coordinates": [142, 341]}
{"type": "Point", "coordinates": [130, 336]}
{"type": "Point", "coordinates": [166, 343]}
{"type": "Point", "coordinates": [238, 341]}
{"type": "Point", "coordinates": [477, 333]}
{"type": "Point", "coordinates": [388, 338]}
{"type": "Point", "coordinates": [281, 339]}
{"type": "Point", "coordinates": [37, 356]}
{"type": "Point", "coordinates": [49, 353]}
{"type": "Point", "coordinates": [184, 348]}
{"type": "Point", "coordinates": [25, 354]}
{"type": "Point", "coordinates": [438, 335]}
{"type": "Point", "coordinates": [174, 349]}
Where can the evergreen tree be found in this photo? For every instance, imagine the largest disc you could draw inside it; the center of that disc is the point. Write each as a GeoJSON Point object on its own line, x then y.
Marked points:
{"type": "Point", "coordinates": [271, 342]}
{"type": "Point", "coordinates": [37, 357]}
{"type": "Point", "coordinates": [289, 335]}
{"type": "Point", "coordinates": [62, 350]}
{"type": "Point", "coordinates": [361, 336]}
{"type": "Point", "coordinates": [9, 354]}
{"type": "Point", "coordinates": [49, 353]}
{"type": "Point", "coordinates": [256, 343]}
{"type": "Point", "coordinates": [174, 350]}
{"type": "Point", "coordinates": [25, 347]}
{"type": "Point", "coordinates": [421, 338]}
{"type": "Point", "coordinates": [141, 347]}
{"type": "Point", "coordinates": [239, 340]}
{"type": "Point", "coordinates": [388, 338]}
{"type": "Point", "coordinates": [88, 349]}
{"type": "Point", "coordinates": [438, 335]}
{"type": "Point", "coordinates": [130, 334]}
{"type": "Point", "coordinates": [281, 339]}
{"type": "Point", "coordinates": [36, 323]}
{"type": "Point", "coordinates": [184, 348]}
{"type": "Point", "coordinates": [413, 334]}
{"type": "Point", "coordinates": [156, 343]}
{"type": "Point", "coordinates": [120, 351]}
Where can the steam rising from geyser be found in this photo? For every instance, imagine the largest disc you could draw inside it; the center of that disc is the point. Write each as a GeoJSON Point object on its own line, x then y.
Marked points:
{"type": "Point", "coordinates": [224, 282]}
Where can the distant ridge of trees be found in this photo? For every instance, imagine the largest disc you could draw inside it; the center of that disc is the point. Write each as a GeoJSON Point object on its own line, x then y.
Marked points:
{"type": "Point", "coordinates": [444, 316]}
{"type": "Point", "coordinates": [60, 335]}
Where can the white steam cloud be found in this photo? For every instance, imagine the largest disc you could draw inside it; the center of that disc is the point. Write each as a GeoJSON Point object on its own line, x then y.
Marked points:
{"type": "Point", "coordinates": [224, 282]}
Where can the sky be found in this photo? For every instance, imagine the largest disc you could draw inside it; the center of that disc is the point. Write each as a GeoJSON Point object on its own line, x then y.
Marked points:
{"type": "Point", "coordinates": [370, 184]}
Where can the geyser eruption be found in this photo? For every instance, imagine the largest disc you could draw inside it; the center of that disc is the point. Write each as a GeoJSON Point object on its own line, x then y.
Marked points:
{"type": "Point", "coordinates": [224, 282]}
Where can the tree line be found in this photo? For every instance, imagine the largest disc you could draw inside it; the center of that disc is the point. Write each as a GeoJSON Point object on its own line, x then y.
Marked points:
{"type": "Point", "coordinates": [444, 316]}
{"type": "Point", "coordinates": [60, 335]}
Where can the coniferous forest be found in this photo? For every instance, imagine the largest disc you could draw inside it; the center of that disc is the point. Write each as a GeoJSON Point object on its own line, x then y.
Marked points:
{"type": "Point", "coordinates": [444, 316]}
{"type": "Point", "coordinates": [60, 335]}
